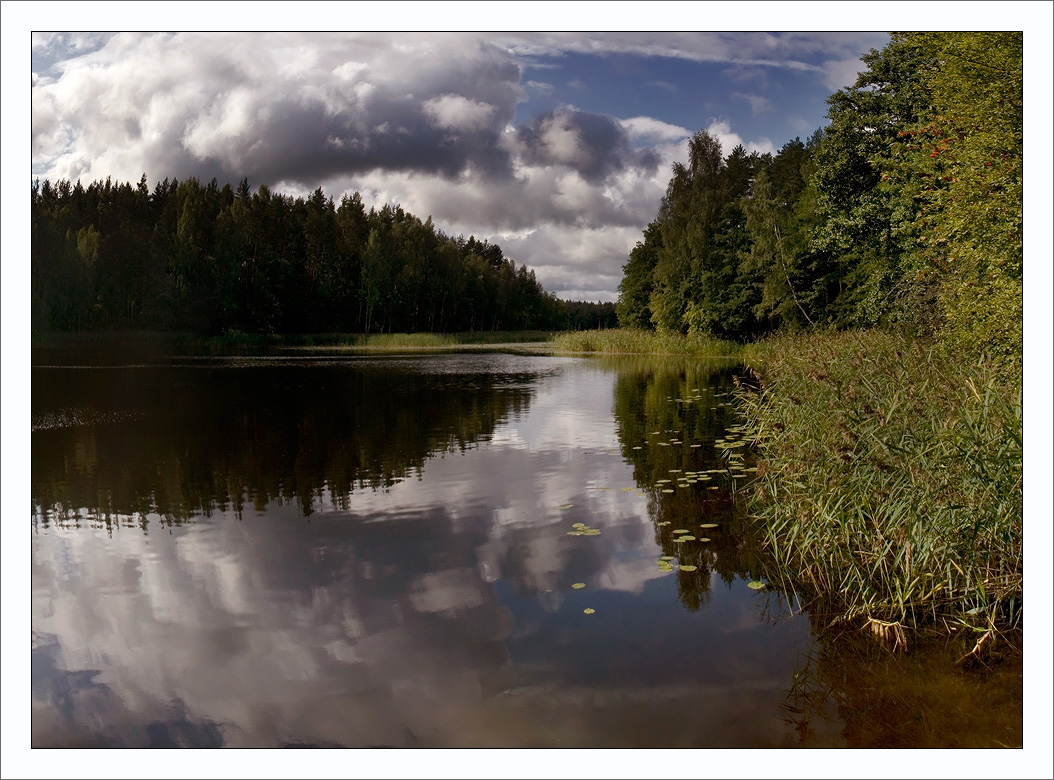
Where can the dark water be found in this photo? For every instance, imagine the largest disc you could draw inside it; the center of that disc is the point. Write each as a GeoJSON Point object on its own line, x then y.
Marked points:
{"type": "Point", "coordinates": [335, 550]}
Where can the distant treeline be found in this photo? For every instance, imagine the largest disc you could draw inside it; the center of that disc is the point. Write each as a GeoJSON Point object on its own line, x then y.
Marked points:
{"type": "Point", "coordinates": [206, 259]}
{"type": "Point", "coordinates": [906, 211]}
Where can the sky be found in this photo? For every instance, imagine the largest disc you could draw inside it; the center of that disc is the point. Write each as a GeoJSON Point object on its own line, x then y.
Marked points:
{"type": "Point", "coordinates": [558, 147]}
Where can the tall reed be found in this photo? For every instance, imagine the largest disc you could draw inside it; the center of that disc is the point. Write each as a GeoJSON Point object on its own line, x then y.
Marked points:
{"type": "Point", "coordinates": [892, 481]}
{"type": "Point", "coordinates": [627, 341]}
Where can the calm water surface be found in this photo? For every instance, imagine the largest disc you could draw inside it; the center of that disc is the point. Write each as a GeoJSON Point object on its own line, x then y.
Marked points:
{"type": "Point", "coordinates": [305, 549]}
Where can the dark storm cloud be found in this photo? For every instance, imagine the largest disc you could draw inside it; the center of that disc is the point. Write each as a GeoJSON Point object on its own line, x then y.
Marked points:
{"type": "Point", "coordinates": [594, 145]}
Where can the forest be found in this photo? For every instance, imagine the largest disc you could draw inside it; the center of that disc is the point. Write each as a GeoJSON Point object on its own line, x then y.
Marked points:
{"type": "Point", "coordinates": [904, 212]}
{"type": "Point", "coordinates": [205, 259]}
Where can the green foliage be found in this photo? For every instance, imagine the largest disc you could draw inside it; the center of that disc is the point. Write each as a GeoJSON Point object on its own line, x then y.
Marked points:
{"type": "Point", "coordinates": [638, 280]}
{"type": "Point", "coordinates": [892, 488]}
{"type": "Point", "coordinates": [961, 165]}
{"type": "Point", "coordinates": [587, 315]}
{"type": "Point", "coordinates": [858, 217]}
{"type": "Point", "coordinates": [202, 259]}
{"type": "Point", "coordinates": [905, 211]}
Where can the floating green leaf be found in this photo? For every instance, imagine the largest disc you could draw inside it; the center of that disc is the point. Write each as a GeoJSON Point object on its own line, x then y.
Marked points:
{"type": "Point", "coordinates": [566, 506]}
{"type": "Point", "coordinates": [680, 530]}
{"type": "Point", "coordinates": [666, 558]}
{"type": "Point", "coordinates": [708, 525]}
{"type": "Point", "coordinates": [589, 610]}
{"type": "Point", "coordinates": [578, 585]}
{"type": "Point", "coordinates": [704, 539]}
{"type": "Point", "coordinates": [756, 585]}
{"type": "Point", "coordinates": [688, 567]}
{"type": "Point", "coordinates": [578, 525]}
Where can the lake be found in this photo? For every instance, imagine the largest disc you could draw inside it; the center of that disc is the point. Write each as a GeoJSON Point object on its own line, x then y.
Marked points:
{"type": "Point", "coordinates": [468, 549]}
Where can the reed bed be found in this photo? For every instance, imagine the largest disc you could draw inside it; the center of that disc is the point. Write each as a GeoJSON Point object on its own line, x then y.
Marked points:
{"type": "Point", "coordinates": [891, 483]}
{"type": "Point", "coordinates": [405, 341]}
{"type": "Point", "coordinates": [627, 341]}
{"type": "Point", "coordinates": [379, 341]}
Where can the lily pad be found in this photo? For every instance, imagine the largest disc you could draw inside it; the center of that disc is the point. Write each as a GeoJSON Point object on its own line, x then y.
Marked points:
{"type": "Point", "coordinates": [589, 610]}
{"type": "Point", "coordinates": [578, 585]}
{"type": "Point", "coordinates": [666, 558]}
{"type": "Point", "coordinates": [668, 490]}
{"type": "Point", "coordinates": [704, 538]}
{"type": "Point", "coordinates": [680, 530]}
{"type": "Point", "coordinates": [578, 525]}
{"type": "Point", "coordinates": [756, 585]}
{"type": "Point", "coordinates": [566, 506]}
{"type": "Point", "coordinates": [591, 532]}
{"type": "Point", "coordinates": [708, 525]}
{"type": "Point", "coordinates": [688, 567]}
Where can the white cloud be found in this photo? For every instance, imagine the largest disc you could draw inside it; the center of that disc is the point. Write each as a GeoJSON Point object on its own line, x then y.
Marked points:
{"type": "Point", "coordinates": [722, 131]}
{"type": "Point", "coordinates": [779, 50]}
{"type": "Point", "coordinates": [456, 112]}
{"type": "Point", "coordinates": [839, 74]}
{"type": "Point", "coordinates": [648, 129]}
{"type": "Point", "coordinates": [759, 104]}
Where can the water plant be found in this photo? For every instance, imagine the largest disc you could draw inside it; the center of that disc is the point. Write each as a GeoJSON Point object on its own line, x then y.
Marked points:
{"type": "Point", "coordinates": [890, 487]}
{"type": "Point", "coordinates": [628, 341]}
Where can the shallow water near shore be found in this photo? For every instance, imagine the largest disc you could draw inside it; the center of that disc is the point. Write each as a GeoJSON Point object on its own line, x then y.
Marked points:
{"type": "Point", "coordinates": [309, 548]}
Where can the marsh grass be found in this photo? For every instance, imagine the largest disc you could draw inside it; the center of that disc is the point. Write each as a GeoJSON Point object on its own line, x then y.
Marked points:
{"type": "Point", "coordinates": [890, 491]}
{"type": "Point", "coordinates": [627, 341]}
{"type": "Point", "coordinates": [372, 341]}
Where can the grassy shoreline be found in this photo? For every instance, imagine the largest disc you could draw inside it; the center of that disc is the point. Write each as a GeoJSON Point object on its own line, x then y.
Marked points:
{"type": "Point", "coordinates": [890, 483]}
{"type": "Point", "coordinates": [625, 341]}
{"type": "Point", "coordinates": [238, 340]}
{"type": "Point", "coordinates": [892, 486]}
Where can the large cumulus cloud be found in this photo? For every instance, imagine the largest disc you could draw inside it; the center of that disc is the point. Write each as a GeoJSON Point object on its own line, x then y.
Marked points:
{"type": "Point", "coordinates": [276, 106]}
